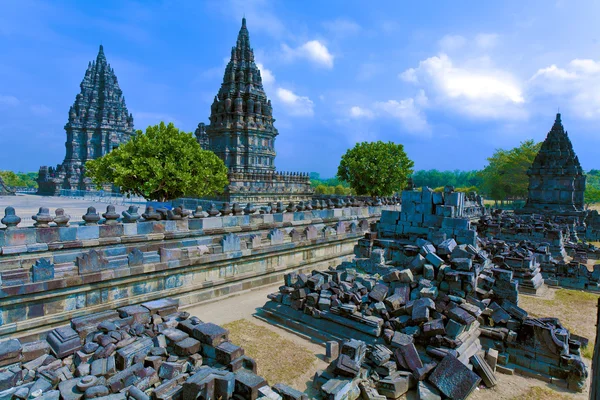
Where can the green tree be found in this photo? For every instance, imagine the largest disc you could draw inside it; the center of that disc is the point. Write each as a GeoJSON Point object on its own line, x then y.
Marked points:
{"type": "Point", "coordinates": [505, 176]}
{"type": "Point", "coordinates": [341, 190]}
{"type": "Point", "coordinates": [376, 168]}
{"type": "Point", "coordinates": [161, 164]}
{"type": "Point", "coordinates": [321, 189]}
{"type": "Point", "coordinates": [591, 195]}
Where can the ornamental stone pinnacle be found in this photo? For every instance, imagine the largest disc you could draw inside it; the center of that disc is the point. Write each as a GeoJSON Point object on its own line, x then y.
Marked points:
{"type": "Point", "coordinates": [242, 133]}
{"type": "Point", "coordinates": [98, 123]}
{"type": "Point", "coordinates": [556, 179]}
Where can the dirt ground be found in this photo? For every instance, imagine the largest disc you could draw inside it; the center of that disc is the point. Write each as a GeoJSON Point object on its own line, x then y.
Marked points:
{"type": "Point", "coordinates": [561, 303]}
{"type": "Point", "coordinates": [231, 310]}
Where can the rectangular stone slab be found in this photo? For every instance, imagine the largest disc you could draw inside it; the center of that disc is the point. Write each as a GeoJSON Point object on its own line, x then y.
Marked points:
{"type": "Point", "coordinates": [453, 378]}
{"type": "Point", "coordinates": [89, 323]}
{"type": "Point", "coordinates": [162, 307]}
{"type": "Point", "coordinates": [227, 352]}
{"type": "Point", "coordinates": [210, 334]}
{"type": "Point", "coordinates": [141, 315]}
{"type": "Point", "coordinates": [64, 341]}
{"type": "Point", "coordinates": [125, 356]}
{"type": "Point", "coordinates": [248, 383]}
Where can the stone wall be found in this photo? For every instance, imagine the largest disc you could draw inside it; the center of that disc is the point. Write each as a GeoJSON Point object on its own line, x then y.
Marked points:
{"type": "Point", "coordinates": [50, 275]}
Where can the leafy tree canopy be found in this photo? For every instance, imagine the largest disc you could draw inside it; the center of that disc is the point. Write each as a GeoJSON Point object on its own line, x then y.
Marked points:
{"type": "Point", "coordinates": [591, 195]}
{"type": "Point", "coordinates": [505, 177]}
{"type": "Point", "coordinates": [376, 168]}
{"type": "Point", "coordinates": [19, 179]}
{"type": "Point", "coordinates": [161, 164]}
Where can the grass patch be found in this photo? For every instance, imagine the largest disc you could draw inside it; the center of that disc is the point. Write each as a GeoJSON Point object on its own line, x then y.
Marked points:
{"type": "Point", "coordinates": [575, 309]}
{"type": "Point", "coordinates": [541, 393]}
{"type": "Point", "coordinates": [279, 360]}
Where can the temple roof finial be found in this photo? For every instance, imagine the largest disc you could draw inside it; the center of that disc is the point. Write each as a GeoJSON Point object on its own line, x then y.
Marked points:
{"type": "Point", "coordinates": [244, 21]}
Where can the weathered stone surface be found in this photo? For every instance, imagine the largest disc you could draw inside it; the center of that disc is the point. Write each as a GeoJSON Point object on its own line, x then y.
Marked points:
{"type": "Point", "coordinates": [98, 122]}
{"type": "Point", "coordinates": [64, 341]}
{"type": "Point", "coordinates": [210, 334]}
{"type": "Point", "coordinates": [126, 355]}
{"type": "Point", "coordinates": [453, 378]}
{"type": "Point", "coordinates": [247, 384]}
{"type": "Point", "coordinates": [186, 347]}
{"type": "Point", "coordinates": [162, 307]}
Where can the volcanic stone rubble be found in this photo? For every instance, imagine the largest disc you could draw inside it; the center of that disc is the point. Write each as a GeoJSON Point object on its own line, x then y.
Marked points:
{"type": "Point", "coordinates": [547, 241]}
{"type": "Point", "coordinates": [419, 308]}
{"type": "Point", "coordinates": [148, 351]}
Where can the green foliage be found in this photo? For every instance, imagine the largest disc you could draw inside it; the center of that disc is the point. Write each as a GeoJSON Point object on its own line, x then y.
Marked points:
{"type": "Point", "coordinates": [505, 176]}
{"type": "Point", "coordinates": [161, 164]}
{"type": "Point", "coordinates": [433, 178]}
{"type": "Point", "coordinates": [376, 168]}
{"type": "Point", "coordinates": [19, 179]}
{"type": "Point", "coordinates": [591, 195]}
{"type": "Point", "coordinates": [323, 189]}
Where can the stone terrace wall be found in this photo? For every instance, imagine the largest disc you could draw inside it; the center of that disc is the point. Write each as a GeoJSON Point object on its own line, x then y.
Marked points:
{"type": "Point", "coordinates": [50, 275]}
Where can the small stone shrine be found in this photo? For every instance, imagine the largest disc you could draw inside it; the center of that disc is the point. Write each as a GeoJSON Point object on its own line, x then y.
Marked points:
{"type": "Point", "coordinates": [556, 179]}
{"type": "Point", "coordinates": [98, 123]}
{"type": "Point", "coordinates": [242, 134]}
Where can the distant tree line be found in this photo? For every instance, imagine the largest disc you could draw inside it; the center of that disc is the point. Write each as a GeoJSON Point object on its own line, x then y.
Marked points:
{"type": "Point", "coordinates": [330, 185]}
{"type": "Point", "coordinates": [20, 179]}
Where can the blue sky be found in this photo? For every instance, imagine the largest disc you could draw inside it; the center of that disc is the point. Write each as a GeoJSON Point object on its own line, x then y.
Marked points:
{"type": "Point", "coordinates": [451, 81]}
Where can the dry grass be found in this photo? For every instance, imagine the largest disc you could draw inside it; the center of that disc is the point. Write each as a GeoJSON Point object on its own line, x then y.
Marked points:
{"type": "Point", "coordinates": [541, 393]}
{"type": "Point", "coordinates": [279, 359]}
{"type": "Point", "coordinates": [576, 310]}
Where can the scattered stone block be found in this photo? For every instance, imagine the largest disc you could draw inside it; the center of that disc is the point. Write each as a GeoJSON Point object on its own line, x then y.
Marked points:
{"type": "Point", "coordinates": [64, 341]}
{"type": "Point", "coordinates": [453, 379]}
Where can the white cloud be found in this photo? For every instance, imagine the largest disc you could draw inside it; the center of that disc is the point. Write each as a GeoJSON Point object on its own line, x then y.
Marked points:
{"type": "Point", "coordinates": [40, 110]}
{"type": "Point", "coordinates": [406, 111]}
{"type": "Point", "coordinates": [342, 27]}
{"type": "Point", "coordinates": [577, 85]}
{"type": "Point", "coordinates": [486, 40]}
{"type": "Point", "coordinates": [295, 105]}
{"type": "Point", "coordinates": [410, 75]}
{"type": "Point", "coordinates": [452, 42]}
{"type": "Point", "coordinates": [314, 51]}
{"type": "Point", "coordinates": [359, 112]}
{"type": "Point", "coordinates": [421, 99]}
{"type": "Point", "coordinates": [477, 91]}
{"type": "Point", "coordinates": [9, 100]}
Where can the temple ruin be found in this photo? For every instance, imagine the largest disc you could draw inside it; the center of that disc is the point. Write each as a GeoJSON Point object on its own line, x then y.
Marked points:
{"type": "Point", "coordinates": [556, 179]}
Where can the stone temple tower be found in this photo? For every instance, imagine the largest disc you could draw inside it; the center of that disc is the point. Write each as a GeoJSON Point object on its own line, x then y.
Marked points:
{"type": "Point", "coordinates": [242, 134]}
{"type": "Point", "coordinates": [98, 123]}
{"type": "Point", "coordinates": [241, 129]}
{"type": "Point", "coordinates": [556, 179]}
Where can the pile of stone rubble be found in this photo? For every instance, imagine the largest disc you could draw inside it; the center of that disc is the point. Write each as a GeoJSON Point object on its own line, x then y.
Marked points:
{"type": "Point", "coordinates": [147, 351]}
{"type": "Point", "coordinates": [549, 241]}
{"type": "Point", "coordinates": [434, 313]}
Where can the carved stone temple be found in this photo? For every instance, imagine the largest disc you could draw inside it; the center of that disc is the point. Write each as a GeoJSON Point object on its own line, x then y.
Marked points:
{"type": "Point", "coordinates": [556, 179]}
{"type": "Point", "coordinates": [242, 134]}
{"type": "Point", "coordinates": [98, 123]}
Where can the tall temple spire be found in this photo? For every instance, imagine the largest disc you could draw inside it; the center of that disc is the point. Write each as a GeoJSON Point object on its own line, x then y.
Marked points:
{"type": "Point", "coordinates": [556, 179]}
{"type": "Point", "coordinates": [241, 129]}
{"type": "Point", "coordinates": [98, 122]}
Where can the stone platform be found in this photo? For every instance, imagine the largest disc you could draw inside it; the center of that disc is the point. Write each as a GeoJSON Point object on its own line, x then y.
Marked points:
{"type": "Point", "coordinates": [51, 275]}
